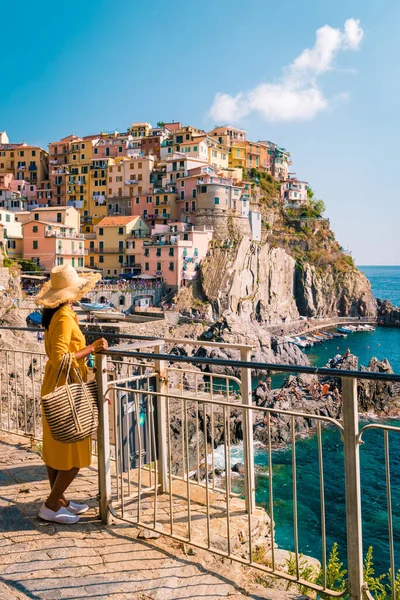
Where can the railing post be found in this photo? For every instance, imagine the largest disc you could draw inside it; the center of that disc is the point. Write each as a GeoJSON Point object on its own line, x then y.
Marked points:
{"type": "Point", "coordinates": [162, 449]}
{"type": "Point", "coordinates": [103, 440]}
{"type": "Point", "coordinates": [353, 488]}
{"type": "Point", "coordinates": [248, 448]}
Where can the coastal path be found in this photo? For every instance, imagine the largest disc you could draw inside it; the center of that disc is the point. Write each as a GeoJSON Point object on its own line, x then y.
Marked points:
{"type": "Point", "coordinates": [90, 560]}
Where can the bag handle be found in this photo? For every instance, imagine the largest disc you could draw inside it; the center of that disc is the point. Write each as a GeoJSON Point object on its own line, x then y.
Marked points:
{"type": "Point", "coordinates": [64, 365]}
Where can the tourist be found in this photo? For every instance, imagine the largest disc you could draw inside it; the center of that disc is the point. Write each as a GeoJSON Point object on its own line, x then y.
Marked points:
{"type": "Point", "coordinates": [63, 336]}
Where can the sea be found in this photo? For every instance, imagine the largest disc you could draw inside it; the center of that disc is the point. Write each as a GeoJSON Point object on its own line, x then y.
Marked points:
{"type": "Point", "coordinates": [383, 343]}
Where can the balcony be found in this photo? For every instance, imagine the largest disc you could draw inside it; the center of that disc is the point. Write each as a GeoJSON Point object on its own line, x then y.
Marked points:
{"type": "Point", "coordinates": [69, 252]}
{"type": "Point", "coordinates": [99, 165]}
{"type": "Point", "coordinates": [32, 168]}
{"type": "Point", "coordinates": [131, 181]}
{"type": "Point", "coordinates": [21, 167]}
{"type": "Point", "coordinates": [69, 236]}
{"type": "Point", "coordinates": [108, 250]}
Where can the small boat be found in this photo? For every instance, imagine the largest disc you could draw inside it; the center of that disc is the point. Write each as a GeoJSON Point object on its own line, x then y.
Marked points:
{"type": "Point", "coordinates": [103, 315]}
{"type": "Point", "coordinates": [94, 306]}
{"type": "Point", "coordinates": [369, 328]}
{"type": "Point", "coordinates": [345, 329]}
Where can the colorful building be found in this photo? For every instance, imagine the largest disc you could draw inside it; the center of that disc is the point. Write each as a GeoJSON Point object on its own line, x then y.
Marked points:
{"type": "Point", "coordinates": [113, 250]}
{"type": "Point", "coordinates": [174, 252]}
{"type": "Point", "coordinates": [12, 234]}
{"type": "Point", "coordinates": [294, 192]}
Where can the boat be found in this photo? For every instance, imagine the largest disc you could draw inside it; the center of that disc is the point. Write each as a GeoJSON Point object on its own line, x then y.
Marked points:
{"type": "Point", "coordinates": [345, 329]}
{"type": "Point", "coordinates": [94, 306]}
{"type": "Point", "coordinates": [103, 315]}
{"type": "Point", "coordinates": [369, 328]}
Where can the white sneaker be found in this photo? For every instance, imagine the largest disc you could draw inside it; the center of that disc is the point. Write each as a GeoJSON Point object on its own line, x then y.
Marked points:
{"type": "Point", "coordinates": [62, 515]}
{"type": "Point", "coordinates": [77, 509]}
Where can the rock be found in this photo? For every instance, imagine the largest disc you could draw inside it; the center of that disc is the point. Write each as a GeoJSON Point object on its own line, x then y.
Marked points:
{"type": "Point", "coordinates": [238, 468]}
{"type": "Point", "coordinates": [148, 534]}
{"type": "Point", "coordinates": [388, 314]}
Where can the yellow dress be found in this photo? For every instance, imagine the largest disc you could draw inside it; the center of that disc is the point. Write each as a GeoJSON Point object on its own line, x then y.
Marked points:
{"type": "Point", "coordinates": [63, 336]}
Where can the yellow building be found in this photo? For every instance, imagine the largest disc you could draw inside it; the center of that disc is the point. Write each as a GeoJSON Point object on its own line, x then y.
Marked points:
{"type": "Point", "coordinates": [97, 208]}
{"type": "Point", "coordinates": [129, 176]}
{"type": "Point", "coordinates": [78, 180]}
{"type": "Point", "coordinates": [218, 154]}
{"type": "Point", "coordinates": [237, 155]}
{"type": "Point", "coordinates": [28, 163]}
{"type": "Point", "coordinates": [139, 129]}
{"type": "Point", "coordinates": [113, 252]}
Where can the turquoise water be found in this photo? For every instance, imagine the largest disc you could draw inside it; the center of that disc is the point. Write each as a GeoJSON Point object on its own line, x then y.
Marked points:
{"type": "Point", "coordinates": [383, 343]}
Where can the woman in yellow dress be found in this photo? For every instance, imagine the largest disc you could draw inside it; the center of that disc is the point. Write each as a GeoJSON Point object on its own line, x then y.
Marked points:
{"type": "Point", "coordinates": [62, 336]}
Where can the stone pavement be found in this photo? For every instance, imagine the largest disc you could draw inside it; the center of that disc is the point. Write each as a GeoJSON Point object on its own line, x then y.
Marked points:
{"type": "Point", "coordinates": [46, 561]}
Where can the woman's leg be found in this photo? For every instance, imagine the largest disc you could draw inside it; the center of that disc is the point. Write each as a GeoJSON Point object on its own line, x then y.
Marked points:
{"type": "Point", "coordinates": [62, 481]}
{"type": "Point", "coordinates": [52, 474]}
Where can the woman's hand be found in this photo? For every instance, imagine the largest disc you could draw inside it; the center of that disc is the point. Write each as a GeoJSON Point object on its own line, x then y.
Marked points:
{"type": "Point", "coordinates": [99, 345]}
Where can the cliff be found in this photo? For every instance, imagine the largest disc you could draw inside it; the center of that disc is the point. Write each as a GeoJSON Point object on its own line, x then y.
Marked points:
{"type": "Point", "coordinates": [298, 268]}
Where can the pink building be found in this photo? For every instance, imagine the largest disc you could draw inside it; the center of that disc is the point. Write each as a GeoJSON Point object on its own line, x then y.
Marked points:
{"type": "Point", "coordinates": [49, 244]}
{"type": "Point", "coordinates": [174, 253]}
{"type": "Point", "coordinates": [294, 192]}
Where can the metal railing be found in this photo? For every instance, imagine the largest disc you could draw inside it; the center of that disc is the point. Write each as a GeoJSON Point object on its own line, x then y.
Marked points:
{"type": "Point", "coordinates": [170, 422]}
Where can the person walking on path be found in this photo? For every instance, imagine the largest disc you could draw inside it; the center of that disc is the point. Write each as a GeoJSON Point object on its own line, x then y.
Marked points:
{"type": "Point", "coordinates": [63, 336]}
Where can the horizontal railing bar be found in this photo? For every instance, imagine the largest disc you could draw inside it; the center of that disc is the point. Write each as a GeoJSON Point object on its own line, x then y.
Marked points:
{"type": "Point", "coordinates": [258, 366]}
{"type": "Point", "coordinates": [376, 426]}
{"type": "Point", "coordinates": [236, 405]}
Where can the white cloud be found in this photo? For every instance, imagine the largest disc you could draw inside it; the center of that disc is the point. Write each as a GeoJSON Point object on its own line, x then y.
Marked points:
{"type": "Point", "coordinates": [296, 96]}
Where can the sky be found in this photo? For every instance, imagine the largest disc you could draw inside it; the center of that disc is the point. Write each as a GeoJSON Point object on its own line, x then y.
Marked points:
{"type": "Point", "coordinates": [318, 78]}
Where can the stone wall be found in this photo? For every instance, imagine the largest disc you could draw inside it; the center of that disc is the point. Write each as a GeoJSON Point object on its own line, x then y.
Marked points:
{"type": "Point", "coordinates": [225, 225]}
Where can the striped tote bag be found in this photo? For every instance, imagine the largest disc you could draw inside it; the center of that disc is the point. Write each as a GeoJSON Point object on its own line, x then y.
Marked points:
{"type": "Point", "coordinates": [71, 410]}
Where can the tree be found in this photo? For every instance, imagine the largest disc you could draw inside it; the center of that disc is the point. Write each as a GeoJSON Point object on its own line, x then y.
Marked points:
{"type": "Point", "coordinates": [28, 265]}
{"type": "Point", "coordinates": [318, 206]}
{"type": "Point", "coordinates": [160, 124]}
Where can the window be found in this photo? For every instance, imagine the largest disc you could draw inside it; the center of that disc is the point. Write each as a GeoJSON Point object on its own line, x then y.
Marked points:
{"type": "Point", "coordinates": [36, 216]}
{"type": "Point", "coordinates": [82, 157]}
{"type": "Point", "coordinates": [147, 252]}
{"type": "Point", "coordinates": [101, 246]}
{"type": "Point", "coordinates": [171, 266]}
{"type": "Point", "coordinates": [95, 151]}
{"type": "Point", "coordinates": [8, 218]}
{"type": "Point", "coordinates": [74, 157]}
{"type": "Point", "coordinates": [182, 195]}
{"type": "Point", "coordinates": [146, 266]}
{"type": "Point", "coordinates": [120, 149]}
{"type": "Point", "coordinates": [195, 148]}
{"type": "Point", "coordinates": [158, 266]}
{"type": "Point", "coordinates": [120, 246]}
{"type": "Point", "coordinates": [35, 245]}
{"type": "Point", "coordinates": [158, 252]}
{"type": "Point", "coordinates": [216, 200]}
{"type": "Point", "coordinates": [120, 258]}
{"type": "Point", "coordinates": [59, 217]}
{"type": "Point", "coordinates": [137, 200]}
{"type": "Point", "coordinates": [73, 261]}
{"type": "Point", "coordinates": [101, 231]}
{"type": "Point", "coordinates": [35, 229]}
{"type": "Point", "coordinates": [194, 193]}
{"type": "Point", "coordinates": [120, 231]}
{"type": "Point", "coordinates": [101, 259]}
{"type": "Point", "coordinates": [121, 301]}
{"type": "Point", "coordinates": [171, 251]}
{"type": "Point", "coordinates": [139, 165]}
{"type": "Point", "coordinates": [60, 260]}
{"type": "Point", "coordinates": [203, 189]}
{"type": "Point", "coordinates": [21, 153]}
{"type": "Point", "coordinates": [33, 152]}
{"type": "Point", "coordinates": [193, 206]}
{"type": "Point", "coordinates": [186, 237]}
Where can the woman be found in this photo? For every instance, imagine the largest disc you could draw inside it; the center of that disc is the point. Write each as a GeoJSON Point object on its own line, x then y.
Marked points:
{"type": "Point", "coordinates": [62, 336]}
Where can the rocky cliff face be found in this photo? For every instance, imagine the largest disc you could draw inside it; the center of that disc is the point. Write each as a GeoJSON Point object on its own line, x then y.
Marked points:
{"type": "Point", "coordinates": [259, 281]}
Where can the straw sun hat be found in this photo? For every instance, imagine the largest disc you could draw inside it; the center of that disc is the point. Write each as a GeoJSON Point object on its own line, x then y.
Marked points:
{"type": "Point", "coordinates": [65, 285]}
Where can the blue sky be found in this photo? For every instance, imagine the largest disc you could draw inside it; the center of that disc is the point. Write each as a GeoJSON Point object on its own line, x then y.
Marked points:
{"type": "Point", "coordinates": [83, 66]}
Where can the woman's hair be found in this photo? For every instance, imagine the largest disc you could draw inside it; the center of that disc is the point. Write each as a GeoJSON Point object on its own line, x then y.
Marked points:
{"type": "Point", "coordinates": [47, 315]}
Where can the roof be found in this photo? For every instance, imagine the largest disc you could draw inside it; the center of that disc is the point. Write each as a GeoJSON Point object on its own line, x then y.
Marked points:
{"type": "Point", "coordinates": [55, 208]}
{"type": "Point", "coordinates": [51, 223]}
{"type": "Point", "coordinates": [115, 221]}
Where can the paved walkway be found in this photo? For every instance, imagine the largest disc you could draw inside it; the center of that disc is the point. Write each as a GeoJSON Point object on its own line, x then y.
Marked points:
{"type": "Point", "coordinates": [46, 561]}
